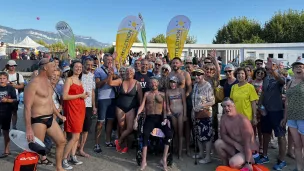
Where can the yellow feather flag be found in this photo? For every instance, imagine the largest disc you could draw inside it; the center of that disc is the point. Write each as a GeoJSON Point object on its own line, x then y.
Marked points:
{"type": "Point", "coordinates": [126, 35]}
{"type": "Point", "coordinates": [177, 32]}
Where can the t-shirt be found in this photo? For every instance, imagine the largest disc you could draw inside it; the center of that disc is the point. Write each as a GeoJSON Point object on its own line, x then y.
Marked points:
{"type": "Point", "coordinates": [88, 84]}
{"type": "Point", "coordinates": [202, 94]}
{"type": "Point", "coordinates": [272, 94]}
{"type": "Point", "coordinates": [227, 87]}
{"type": "Point", "coordinates": [8, 92]}
{"type": "Point", "coordinates": [106, 91]}
{"type": "Point", "coordinates": [13, 78]}
{"type": "Point", "coordinates": [3, 50]}
{"type": "Point", "coordinates": [242, 97]}
{"type": "Point", "coordinates": [144, 80]}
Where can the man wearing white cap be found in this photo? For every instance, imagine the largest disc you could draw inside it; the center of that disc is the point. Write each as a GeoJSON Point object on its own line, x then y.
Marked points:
{"type": "Point", "coordinates": [17, 81]}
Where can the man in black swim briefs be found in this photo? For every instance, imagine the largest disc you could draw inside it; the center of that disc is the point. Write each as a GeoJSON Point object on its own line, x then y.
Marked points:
{"type": "Point", "coordinates": [39, 108]}
{"type": "Point", "coordinates": [154, 104]}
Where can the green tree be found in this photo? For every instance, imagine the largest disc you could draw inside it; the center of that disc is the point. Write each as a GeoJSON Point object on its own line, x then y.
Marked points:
{"type": "Point", "coordinates": [158, 39]}
{"type": "Point", "coordinates": [285, 27]}
{"type": "Point", "coordinates": [239, 30]}
{"type": "Point", "coordinates": [41, 42]}
{"type": "Point", "coordinates": [191, 40]}
{"type": "Point", "coordinates": [109, 49]}
{"type": "Point", "coordinates": [254, 39]}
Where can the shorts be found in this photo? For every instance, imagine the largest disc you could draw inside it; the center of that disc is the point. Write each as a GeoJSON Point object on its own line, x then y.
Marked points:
{"type": "Point", "coordinates": [297, 124]}
{"type": "Point", "coordinates": [203, 129]}
{"type": "Point", "coordinates": [87, 119]}
{"type": "Point", "coordinates": [106, 109]}
{"type": "Point", "coordinates": [272, 121]}
{"type": "Point", "coordinates": [15, 106]}
{"type": "Point", "coordinates": [5, 121]}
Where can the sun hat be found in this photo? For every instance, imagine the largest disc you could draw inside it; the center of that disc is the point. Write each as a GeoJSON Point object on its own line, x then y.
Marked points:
{"type": "Point", "coordinates": [11, 63]}
{"type": "Point", "coordinates": [174, 78]}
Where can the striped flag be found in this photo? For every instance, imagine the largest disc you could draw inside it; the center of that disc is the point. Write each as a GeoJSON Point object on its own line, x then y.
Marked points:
{"type": "Point", "coordinates": [143, 33]}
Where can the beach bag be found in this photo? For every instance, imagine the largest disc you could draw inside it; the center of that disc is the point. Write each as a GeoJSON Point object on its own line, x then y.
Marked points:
{"type": "Point", "coordinates": [219, 94]}
{"type": "Point", "coordinates": [26, 161]}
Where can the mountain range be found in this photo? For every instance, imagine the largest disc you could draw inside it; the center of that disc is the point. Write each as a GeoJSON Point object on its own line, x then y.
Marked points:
{"type": "Point", "coordinates": [10, 35]}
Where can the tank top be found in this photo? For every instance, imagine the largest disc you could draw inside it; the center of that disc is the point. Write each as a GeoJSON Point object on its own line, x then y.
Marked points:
{"type": "Point", "coordinates": [295, 100]}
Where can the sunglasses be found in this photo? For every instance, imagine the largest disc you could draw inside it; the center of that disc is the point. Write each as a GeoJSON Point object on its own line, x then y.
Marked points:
{"type": "Point", "coordinates": [171, 81]}
{"type": "Point", "coordinates": [248, 70]}
{"type": "Point", "coordinates": [165, 69]}
{"type": "Point", "coordinates": [156, 64]}
{"type": "Point", "coordinates": [260, 72]}
{"type": "Point", "coordinates": [209, 69]}
{"type": "Point", "coordinates": [259, 63]}
{"type": "Point", "coordinates": [229, 71]}
{"type": "Point", "coordinates": [12, 65]}
{"type": "Point", "coordinates": [188, 62]}
{"type": "Point", "coordinates": [50, 60]}
{"type": "Point", "coordinates": [207, 62]}
{"type": "Point", "coordinates": [197, 74]}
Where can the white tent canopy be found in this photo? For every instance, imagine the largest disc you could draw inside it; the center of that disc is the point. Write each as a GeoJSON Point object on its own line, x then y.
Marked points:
{"type": "Point", "coordinates": [27, 42]}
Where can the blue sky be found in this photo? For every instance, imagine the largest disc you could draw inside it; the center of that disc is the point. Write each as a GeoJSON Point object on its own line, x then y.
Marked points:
{"type": "Point", "coordinates": [100, 19]}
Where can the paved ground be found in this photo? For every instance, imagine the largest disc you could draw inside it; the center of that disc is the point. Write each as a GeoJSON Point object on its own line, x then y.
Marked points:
{"type": "Point", "coordinates": [110, 160]}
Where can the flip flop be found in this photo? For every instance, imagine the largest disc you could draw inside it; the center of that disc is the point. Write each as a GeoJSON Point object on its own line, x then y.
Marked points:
{"type": "Point", "coordinates": [4, 155]}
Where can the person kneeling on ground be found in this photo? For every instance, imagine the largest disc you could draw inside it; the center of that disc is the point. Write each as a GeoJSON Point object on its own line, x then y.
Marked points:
{"type": "Point", "coordinates": [237, 138]}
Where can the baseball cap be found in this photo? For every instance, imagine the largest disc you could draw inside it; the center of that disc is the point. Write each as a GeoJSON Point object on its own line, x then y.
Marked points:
{"type": "Point", "coordinates": [174, 78]}
{"type": "Point", "coordinates": [258, 60]}
{"type": "Point", "coordinates": [66, 68]}
{"type": "Point", "coordinates": [199, 71]}
{"type": "Point", "coordinates": [11, 63]}
{"type": "Point", "coordinates": [298, 62]}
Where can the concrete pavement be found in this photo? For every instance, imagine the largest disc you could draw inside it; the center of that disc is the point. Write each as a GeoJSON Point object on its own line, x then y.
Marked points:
{"type": "Point", "coordinates": [110, 160]}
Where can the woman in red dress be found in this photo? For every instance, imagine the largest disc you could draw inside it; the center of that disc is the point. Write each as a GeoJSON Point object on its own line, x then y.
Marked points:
{"type": "Point", "coordinates": [74, 110]}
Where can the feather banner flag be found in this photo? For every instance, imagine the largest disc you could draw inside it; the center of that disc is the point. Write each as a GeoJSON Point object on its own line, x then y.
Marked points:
{"type": "Point", "coordinates": [67, 36]}
{"type": "Point", "coordinates": [126, 35]}
{"type": "Point", "coordinates": [177, 32]}
{"type": "Point", "coordinates": [143, 33]}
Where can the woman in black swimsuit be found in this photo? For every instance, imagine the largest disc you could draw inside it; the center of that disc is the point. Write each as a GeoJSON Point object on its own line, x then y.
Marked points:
{"type": "Point", "coordinates": [176, 100]}
{"type": "Point", "coordinates": [129, 98]}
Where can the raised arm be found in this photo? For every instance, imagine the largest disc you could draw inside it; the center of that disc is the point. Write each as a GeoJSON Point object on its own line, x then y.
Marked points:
{"type": "Point", "coordinates": [112, 82]}
{"type": "Point", "coordinates": [66, 89]}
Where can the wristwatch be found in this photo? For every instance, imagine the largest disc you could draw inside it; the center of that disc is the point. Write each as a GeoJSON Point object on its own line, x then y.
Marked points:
{"type": "Point", "coordinates": [247, 162]}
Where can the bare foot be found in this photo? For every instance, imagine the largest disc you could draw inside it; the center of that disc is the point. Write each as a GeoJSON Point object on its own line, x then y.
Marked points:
{"type": "Point", "coordinates": [58, 169]}
{"type": "Point", "coordinates": [83, 154]}
{"type": "Point", "coordinates": [164, 163]}
{"type": "Point", "coordinates": [143, 166]}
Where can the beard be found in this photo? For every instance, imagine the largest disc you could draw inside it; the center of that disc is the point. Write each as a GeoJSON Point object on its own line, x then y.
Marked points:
{"type": "Point", "coordinates": [176, 68]}
{"type": "Point", "coordinates": [154, 87]}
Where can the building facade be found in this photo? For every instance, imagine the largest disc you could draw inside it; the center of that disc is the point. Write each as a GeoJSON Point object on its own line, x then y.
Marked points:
{"type": "Point", "coordinates": [282, 51]}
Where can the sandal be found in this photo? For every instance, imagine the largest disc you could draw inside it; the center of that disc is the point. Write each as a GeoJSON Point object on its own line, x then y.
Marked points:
{"type": "Point", "coordinates": [205, 161]}
{"type": "Point", "coordinates": [110, 145]}
{"type": "Point", "coordinates": [46, 162]}
{"type": "Point", "coordinates": [4, 155]}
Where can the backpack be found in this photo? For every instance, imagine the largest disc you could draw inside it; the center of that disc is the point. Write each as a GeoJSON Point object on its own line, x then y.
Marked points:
{"type": "Point", "coordinates": [19, 90]}
{"type": "Point", "coordinates": [26, 161]}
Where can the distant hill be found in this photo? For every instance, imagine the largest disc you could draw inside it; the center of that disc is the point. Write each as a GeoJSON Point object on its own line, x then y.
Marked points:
{"type": "Point", "coordinates": [8, 35]}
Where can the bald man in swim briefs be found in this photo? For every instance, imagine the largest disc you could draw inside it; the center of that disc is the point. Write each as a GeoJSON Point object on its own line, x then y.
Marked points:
{"type": "Point", "coordinates": [39, 109]}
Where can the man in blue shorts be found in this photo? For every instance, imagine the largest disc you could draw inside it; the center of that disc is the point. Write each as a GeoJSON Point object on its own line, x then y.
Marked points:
{"type": "Point", "coordinates": [106, 102]}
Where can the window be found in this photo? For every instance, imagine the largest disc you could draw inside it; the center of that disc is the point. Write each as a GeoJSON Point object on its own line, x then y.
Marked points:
{"type": "Point", "coordinates": [270, 55]}
{"type": "Point", "coordinates": [261, 56]}
{"type": "Point", "coordinates": [251, 55]}
{"type": "Point", "coordinates": [280, 56]}
{"type": "Point", "coordinates": [302, 55]}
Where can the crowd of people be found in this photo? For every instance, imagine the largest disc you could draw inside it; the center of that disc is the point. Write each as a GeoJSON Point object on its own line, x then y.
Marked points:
{"type": "Point", "coordinates": [179, 97]}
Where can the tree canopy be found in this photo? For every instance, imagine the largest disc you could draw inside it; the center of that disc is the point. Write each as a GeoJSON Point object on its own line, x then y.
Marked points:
{"type": "Point", "coordinates": [283, 27]}
{"type": "Point", "coordinates": [161, 38]}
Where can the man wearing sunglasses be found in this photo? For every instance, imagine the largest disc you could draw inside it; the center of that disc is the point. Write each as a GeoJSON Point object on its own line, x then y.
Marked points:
{"type": "Point", "coordinates": [39, 109]}
{"type": "Point", "coordinates": [157, 69]}
{"type": "Point", "coordinates": [259, 63]}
